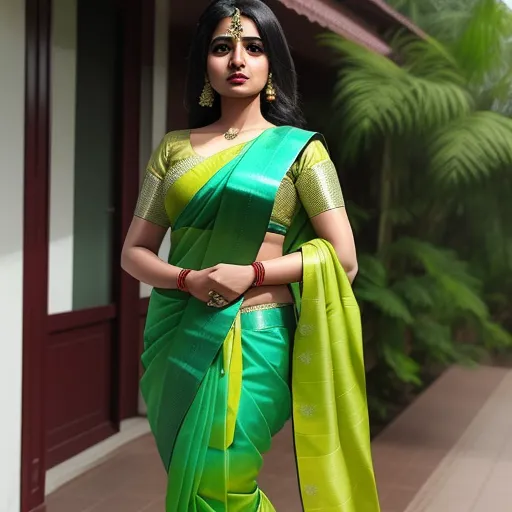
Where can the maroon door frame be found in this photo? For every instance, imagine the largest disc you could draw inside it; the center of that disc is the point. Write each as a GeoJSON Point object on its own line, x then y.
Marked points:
{"type": "Point", "coordinates": [35, 250]}
{"type": "Point", "coordinates": [137, 21]}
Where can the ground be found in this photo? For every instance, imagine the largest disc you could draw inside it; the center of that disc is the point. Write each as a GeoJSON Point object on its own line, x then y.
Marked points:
{"type": "Point", "coordinates": [450, 451]}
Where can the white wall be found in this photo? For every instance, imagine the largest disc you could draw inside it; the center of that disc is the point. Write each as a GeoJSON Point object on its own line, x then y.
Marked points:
{"type": "Point", "coordinates": [12, 121]}
{"type": "Point", "coordinates": [62, 161]}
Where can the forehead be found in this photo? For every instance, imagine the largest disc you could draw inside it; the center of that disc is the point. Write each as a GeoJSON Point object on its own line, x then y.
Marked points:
{"type": "Point", "coordinates": [250, 29]}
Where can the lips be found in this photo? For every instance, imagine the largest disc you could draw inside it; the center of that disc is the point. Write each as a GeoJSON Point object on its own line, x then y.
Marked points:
{"type": "Point", "coordinates": [237, 79]}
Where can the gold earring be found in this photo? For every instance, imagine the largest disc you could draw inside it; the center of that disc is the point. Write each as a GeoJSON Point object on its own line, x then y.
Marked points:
{"type": "Point", "coordinates": [270, 90]}
{"type": "Point", "coordinates": [207, 95]}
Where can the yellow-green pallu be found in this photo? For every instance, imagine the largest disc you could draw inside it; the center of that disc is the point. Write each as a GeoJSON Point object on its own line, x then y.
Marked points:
{"type": "Point", "coordinates": [216, 381]}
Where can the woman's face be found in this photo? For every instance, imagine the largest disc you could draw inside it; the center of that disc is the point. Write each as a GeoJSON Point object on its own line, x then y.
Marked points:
{"type": "Point", "coordinates": [237, 69]}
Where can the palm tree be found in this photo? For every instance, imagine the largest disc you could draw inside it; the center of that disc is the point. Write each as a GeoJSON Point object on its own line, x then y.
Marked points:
{"type": "Point", "coordinates": [431, 118]}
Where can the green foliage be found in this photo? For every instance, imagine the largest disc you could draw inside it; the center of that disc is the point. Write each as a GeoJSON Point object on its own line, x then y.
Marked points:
{"type": "Point", "coordinates": [471, 148]}
{"type": "Point", "coordinates": [432, 132]}
{"type": "Point", "coordinates": [402, 103]}
{"type": "Point", "coordinates": [427, 295]}
{"type": "Point", "coordinates": [479, 48]}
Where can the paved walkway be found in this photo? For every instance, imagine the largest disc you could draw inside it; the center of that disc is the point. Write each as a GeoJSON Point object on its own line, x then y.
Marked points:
{"type": "Point", "coordinates": [451, 451]}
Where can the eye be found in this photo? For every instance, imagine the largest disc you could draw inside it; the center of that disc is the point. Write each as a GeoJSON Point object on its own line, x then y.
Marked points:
{"type": "Point", "coordinates": [255, 48]}
{"type": "Point", "coordinates": [220, 48]}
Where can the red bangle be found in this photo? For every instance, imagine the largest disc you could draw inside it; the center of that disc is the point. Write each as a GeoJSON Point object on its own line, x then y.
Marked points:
{"type": "Point", "coordinates": [259, 273]}
{"type": "Point", "coordinates": [180, 281]}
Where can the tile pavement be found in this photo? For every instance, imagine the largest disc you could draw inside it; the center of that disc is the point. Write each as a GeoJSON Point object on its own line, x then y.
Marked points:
{"type": "Point", "coordinates": [451, 451]}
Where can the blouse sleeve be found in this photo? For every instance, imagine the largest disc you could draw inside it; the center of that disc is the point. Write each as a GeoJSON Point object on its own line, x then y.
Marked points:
{"type": "Point", "coordinates": [317, 181]}
{"type": "Point", "coordinates": [151, 201]}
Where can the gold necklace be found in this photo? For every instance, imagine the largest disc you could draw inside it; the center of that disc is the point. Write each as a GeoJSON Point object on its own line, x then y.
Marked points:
{"type": "Point", "coordinates": [231, 134]}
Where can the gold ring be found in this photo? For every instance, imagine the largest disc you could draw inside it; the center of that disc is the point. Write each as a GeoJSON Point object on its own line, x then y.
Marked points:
{"type": "Point", "coordinates": [216, 300]}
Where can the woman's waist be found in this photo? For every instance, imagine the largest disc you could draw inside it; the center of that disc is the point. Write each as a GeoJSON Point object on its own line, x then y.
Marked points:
{"type": "Point", "coordinates": [278, 294]}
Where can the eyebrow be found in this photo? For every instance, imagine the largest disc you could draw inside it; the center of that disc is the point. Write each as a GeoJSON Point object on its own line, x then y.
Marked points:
{"type": "Point", "coordinates": [230, 38]}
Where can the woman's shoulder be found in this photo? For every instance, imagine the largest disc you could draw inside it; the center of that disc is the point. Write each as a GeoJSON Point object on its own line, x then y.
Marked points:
{"type": "Point", "coordinates": [313, 153]}
{"type": "Point", "coordinates": [174, 143]}
{"type": "Point", "coordinates": [315, 145]}
{"type": "Point", "coordinates": [174, 137]}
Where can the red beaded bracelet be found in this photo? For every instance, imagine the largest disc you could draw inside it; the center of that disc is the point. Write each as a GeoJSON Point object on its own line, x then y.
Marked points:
{"type": "Point", "coordinates": [180, 281]}
{"type": "Point", "coordinates": [259, 273]}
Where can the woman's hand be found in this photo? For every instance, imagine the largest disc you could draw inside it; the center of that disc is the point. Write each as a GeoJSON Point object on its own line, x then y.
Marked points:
{"type": "Point", "coordinates": [198, 284]}
{"type": "Point", "coordinates": [230, 281]}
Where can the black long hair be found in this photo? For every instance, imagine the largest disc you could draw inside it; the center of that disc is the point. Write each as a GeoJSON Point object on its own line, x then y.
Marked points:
{"type": "Point", "coordinates": [285, 109]}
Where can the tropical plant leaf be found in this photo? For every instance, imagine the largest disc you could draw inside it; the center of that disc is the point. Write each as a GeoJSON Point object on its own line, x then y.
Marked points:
{"type": "Point", "coordinates": [372, 269]}
{"type": "Point", "coordinates": [495, 336]}
{"type": "Point", "coordinates": [434, 260]}
{"type": "Point", "coordinates": [471, 148]}
{"type": "Point", "coordinates": [479, 48]}
{"type": "Point", "coordinates": [446, 25]}
{"type": "Point", "coordinates": [376, 98]}
{"type": "Point", "coordinates": [415, 291]}
{"type": "Point", "coordinates": [459, 288]}
{"type": "Point", "coordinates": [436, 338]}
{"type": "Point", "coordinates": [384, 299]}
{"type": "Point", "coordinates": [427, 58]}
{"type": "Point", "coordinates": [405, 367]}
{"type": "Point", "coordinates": [463, 298]}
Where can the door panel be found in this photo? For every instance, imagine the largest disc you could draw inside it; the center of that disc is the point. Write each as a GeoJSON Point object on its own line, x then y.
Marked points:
{"type": "Point", "coordinates": [81, 351]}
{"type": "Point", "coordinates": [78, 365]}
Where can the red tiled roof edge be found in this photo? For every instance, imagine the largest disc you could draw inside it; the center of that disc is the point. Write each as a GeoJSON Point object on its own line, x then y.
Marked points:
{"type": "Point", "coordinates": [406, 22]}
{"type": "Point", "coordinates": [328, 14]}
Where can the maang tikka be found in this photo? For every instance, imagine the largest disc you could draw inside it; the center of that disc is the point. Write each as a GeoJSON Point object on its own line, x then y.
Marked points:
{"type": "Point", "coordinates": [236, 29]}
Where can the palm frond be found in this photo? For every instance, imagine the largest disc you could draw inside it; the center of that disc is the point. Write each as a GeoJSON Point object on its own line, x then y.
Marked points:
{"type": "Point", "coordinates": [375, 98]}
{"type": "Point", "coordinates": [383, 299]}
{"type": "Point", "coordinates": [405, 367]}
{"type": "Point", "coordinates": [427, 58]}
{"type": "Point", "coordinates": [458, 287]}
{"type": "Point", "coordinates": [471, 148]}
{"type": "Point", "coordinates": [415, 290]}
{"type": "Point", "coordinates": [462, 297]}
{"type": "Point", "coordinates": [436, 338]}
{"type": "Point", "coordinates": [446, 25]}
{"type": "Point", "coordinates": [372, 269]}
{"type": "Point", "coordinates": [434, 260]}
{"type": "Point", "coordinates": [479, 48]}
{"type": "Point", "coordinates": [495, 336]}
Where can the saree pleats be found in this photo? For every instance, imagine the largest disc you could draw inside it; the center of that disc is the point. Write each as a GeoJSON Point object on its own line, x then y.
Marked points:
{"type": "Point", "coordinates": [212, 470]}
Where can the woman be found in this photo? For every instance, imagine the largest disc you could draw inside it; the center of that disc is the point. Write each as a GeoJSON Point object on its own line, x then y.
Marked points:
{"type": "Point", "coordinates": [254, 205]}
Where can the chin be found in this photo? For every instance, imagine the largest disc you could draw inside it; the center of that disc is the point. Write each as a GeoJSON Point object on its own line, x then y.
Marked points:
{"type": "Point", "coordinates": [239, 93]}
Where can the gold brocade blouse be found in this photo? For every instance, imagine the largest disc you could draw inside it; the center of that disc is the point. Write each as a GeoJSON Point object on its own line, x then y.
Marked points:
{"type": "Point", "coordinates": [311, 181]}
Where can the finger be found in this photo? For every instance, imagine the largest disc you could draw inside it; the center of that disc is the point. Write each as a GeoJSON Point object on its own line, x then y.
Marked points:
{"type": "Point", "coordinates": [215, 278]}
{"type": "Point", "coordinates": [201, 297]}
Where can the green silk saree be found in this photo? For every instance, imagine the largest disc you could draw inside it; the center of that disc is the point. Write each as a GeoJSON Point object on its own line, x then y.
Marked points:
{"type": "Point", "coordinates": [193, 353]}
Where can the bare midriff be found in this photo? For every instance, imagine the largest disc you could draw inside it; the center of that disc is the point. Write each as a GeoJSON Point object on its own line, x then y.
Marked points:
{"type": "Point", "coordinates": [271, 248]}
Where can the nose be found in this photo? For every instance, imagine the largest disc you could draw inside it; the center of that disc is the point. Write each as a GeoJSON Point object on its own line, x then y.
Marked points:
{"type": "Point", "coordinates": [237, 57]}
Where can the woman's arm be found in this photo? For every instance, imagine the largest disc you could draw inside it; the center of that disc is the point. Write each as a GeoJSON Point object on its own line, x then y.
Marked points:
{"type": "Point", "coordinates": [140, 259]}
{"type": "Point", "coordinates": [139, 256]}
{"type": "Point", "coordinates": [333, 226]}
